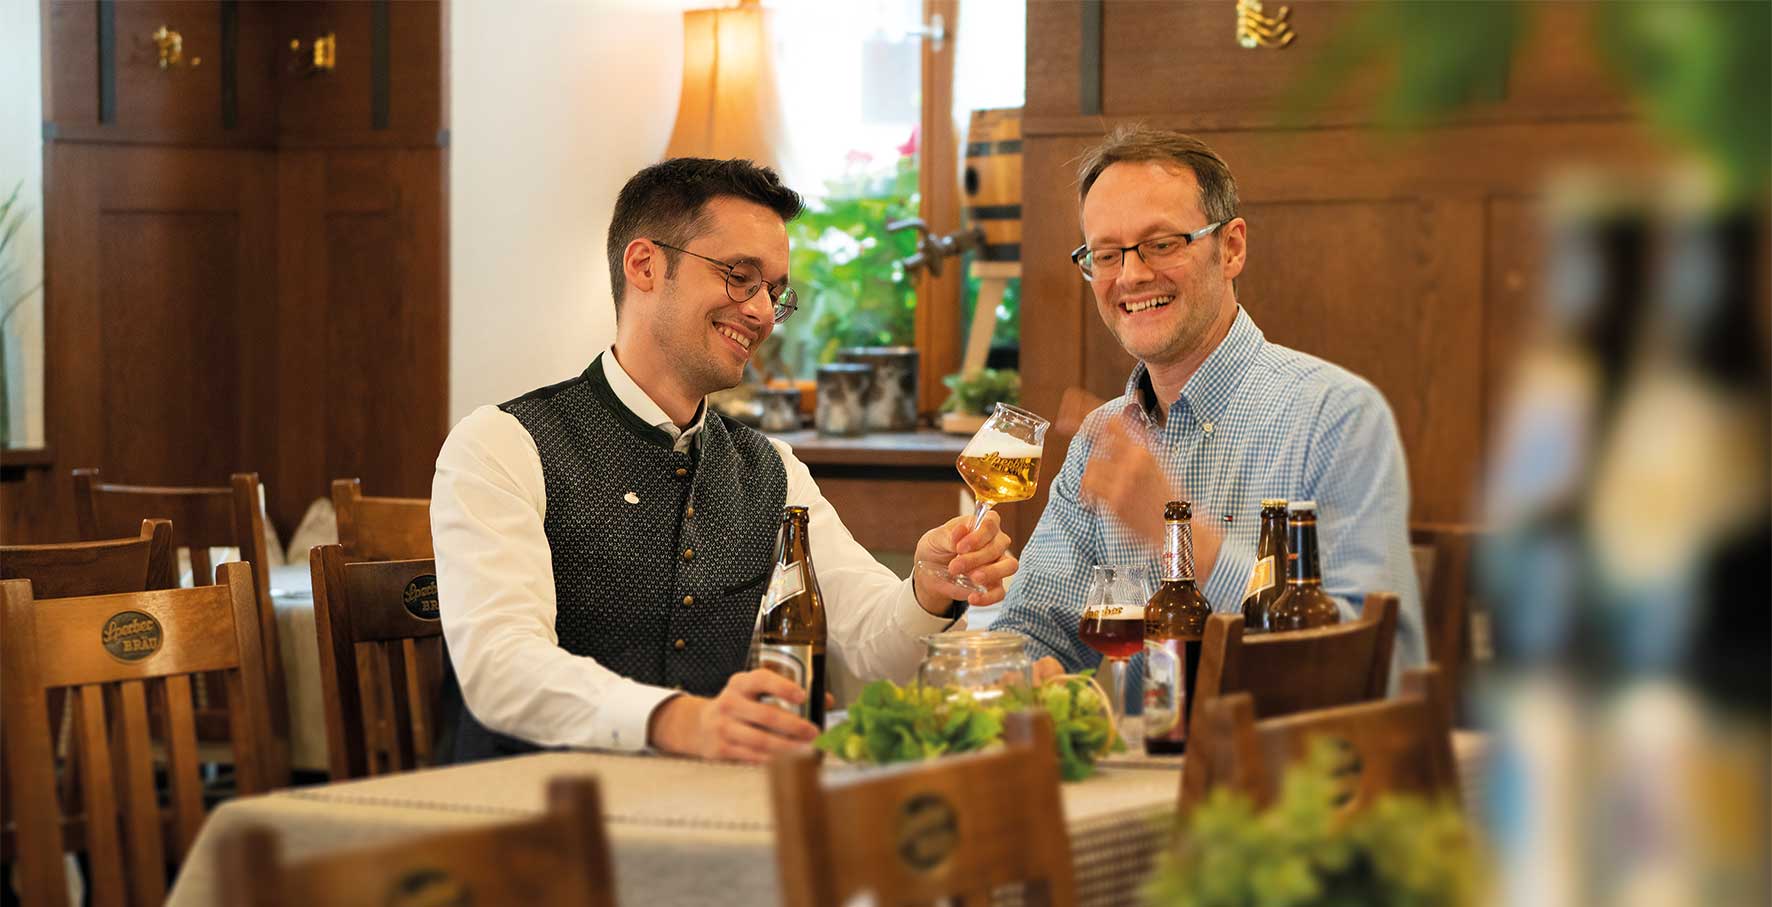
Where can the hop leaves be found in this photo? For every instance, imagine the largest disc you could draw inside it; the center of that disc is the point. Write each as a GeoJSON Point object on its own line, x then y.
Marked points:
{"type": "Point", "coordinates": [889, 723]}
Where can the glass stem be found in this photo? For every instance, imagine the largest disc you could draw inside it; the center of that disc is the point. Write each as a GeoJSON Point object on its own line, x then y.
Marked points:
{"type": "Point", "coordinates": [1117, 688]}
{"type": "Point", "coordinates": [978, 512]}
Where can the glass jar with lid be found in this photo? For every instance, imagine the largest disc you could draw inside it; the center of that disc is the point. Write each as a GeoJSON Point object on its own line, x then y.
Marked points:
{"type": "Point", "coordinates": [981, 662]}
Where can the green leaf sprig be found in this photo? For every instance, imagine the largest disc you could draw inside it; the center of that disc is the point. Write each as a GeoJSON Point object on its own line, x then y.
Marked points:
{"type": "Point", "coordinates": [1302, 852]}
{"type": "Point", "coordinates": [889, 723]}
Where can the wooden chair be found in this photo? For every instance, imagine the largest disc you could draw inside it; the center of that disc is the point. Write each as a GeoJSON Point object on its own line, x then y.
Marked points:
{"type": "Point", "coordinates": [121, 652]}
{"type": "Point", "coordinates": [202, 518]}
{"type": "Point", "coordinates": [1304, 669]}
{"type": "Point", "coordinates": [76, 569]}
{"type": "Point", "coordinates": [387, 606]}
{"type": "Point", "coordinates": [380, 528]}
{"type": "Point", "coordinates": [383, 529]}
{"type": "Point", "coordinates": [1400, 744]}
{"type": "Point", "coordinates": [1446, 597]}
{"type": "Point", "coordinates": [130, 564]}
{"type": "Point", "coordinates": [956, 828]}
{"type": "Point", "coordinates": [561, 858]}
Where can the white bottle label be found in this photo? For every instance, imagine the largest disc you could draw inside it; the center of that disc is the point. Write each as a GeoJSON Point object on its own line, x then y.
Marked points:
{"type": "Point", "coordinates": [1165, 688]}
{"type": "Point", "coordinates": [794, 663]}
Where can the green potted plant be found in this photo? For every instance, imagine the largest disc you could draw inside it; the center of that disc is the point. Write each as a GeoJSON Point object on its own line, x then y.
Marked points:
{"type": "Point", "coordinates": [12, 219]}
{"type": "Point", "coordinates": [974, 395]}
{"type": "Point", "coordinates": [1303, 851]}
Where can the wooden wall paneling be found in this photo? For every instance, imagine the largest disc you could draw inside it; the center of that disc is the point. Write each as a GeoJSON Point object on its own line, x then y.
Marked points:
{"type": "Point", "coordinates": [1184, 57]}
{"type": "Point", "coordinates": [1055, 34]}
{"type": "Point", "coordinates": [1515, 238]}
{"type": "Point", "coordinates": [341, 108]}
{"type": "Point", "coordinates": [184, 98]}
{"type": "Point", "coordinates": [1056, 307]}
{"type": "Point", "coordinates": [70, 63]}
{"type": "Point", "coordinates": [917, 505]}
{"type": "Point", "coordinates": [301, 385]}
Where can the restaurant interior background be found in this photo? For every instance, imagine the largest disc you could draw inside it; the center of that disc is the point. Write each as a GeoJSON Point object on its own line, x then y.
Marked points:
{"type": "Point", "coordinates": [233, 256]}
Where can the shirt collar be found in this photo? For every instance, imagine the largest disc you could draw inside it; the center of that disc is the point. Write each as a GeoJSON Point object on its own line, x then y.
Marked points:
{"type": "Point", "coordinates": [1208, 391]}
{"type": "Point", "coordinates": [641, 404]}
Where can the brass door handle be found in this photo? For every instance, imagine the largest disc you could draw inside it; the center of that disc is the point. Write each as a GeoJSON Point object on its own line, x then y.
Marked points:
{"type": "Point", "coordinates": [171, 48]}
{"type": "Point", "coordinates": [320, 56]}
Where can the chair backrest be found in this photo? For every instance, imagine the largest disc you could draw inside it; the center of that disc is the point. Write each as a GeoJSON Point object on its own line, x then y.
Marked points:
{"type": "Point", "coordinates": [381, 713]}
{"type": "Point", "coordinates": [115, 653]}
{"type": "Point", "coordinates": [131, 564]}
{"type": "Point", "coordinates": [1446, 597]}
{"type": "Point", "coordinates": [381, 528]}
{"type": "Point", "coordinates": [74, 569]}
{"type": "Point", "coordinates": [1402, 744]}
{"type": "Point", "coordinates": [561, 858]}
{"type": "Point", "coordinates": [202, 518]}
{"type": "Point", "coordinates": [956, 828]}
{"type": "Point", "coordinates": [1302, 669]}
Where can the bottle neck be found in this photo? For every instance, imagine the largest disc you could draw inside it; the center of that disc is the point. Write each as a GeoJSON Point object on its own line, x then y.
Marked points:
{"type": "Point", "coordinates": [1301, 553]}
{"type": "Point", "coordinates": [791, 547]}
{"type": "Point", "coordinates": [1178, 551]}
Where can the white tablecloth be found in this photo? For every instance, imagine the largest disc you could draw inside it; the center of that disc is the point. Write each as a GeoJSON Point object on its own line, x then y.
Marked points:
{"type": "Point", "coordinates": [682, 832]}
{"type": "Point", "coordinates": [292, 598]}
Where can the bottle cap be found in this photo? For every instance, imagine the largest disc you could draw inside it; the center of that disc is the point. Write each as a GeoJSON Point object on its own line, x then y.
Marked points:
{"type": "Point", "coordinates": [1301, 506]}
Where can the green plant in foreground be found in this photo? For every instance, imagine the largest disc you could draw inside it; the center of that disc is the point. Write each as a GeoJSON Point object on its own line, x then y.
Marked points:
{"type": "Point", "coordinates": [1302, 852]}
{"type": "Point", "coordinates": [889, 723]}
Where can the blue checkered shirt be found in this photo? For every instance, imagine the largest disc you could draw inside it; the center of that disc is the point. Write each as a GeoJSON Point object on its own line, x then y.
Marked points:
{"type": "Point", "coordinates": [1257, 420]}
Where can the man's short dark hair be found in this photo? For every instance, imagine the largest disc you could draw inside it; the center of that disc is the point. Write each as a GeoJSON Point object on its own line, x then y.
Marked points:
{"type": "Point", "coordinates": [1137, 142]}
{"type": "Point", "coordinates": [667, 202]}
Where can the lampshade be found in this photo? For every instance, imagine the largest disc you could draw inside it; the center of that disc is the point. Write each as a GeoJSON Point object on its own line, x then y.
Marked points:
{"type": "Point", "coordinates": [730, 107]}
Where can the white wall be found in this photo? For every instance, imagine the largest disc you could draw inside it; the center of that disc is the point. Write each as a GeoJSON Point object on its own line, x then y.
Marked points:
{"type": "Point", "coordinates": [553, 105]}
{"type": "Point", "coordinates": [21, 158]}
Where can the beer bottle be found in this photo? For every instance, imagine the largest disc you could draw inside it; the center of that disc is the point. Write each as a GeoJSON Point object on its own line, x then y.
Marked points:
{"type": "Point", "coordinates": [1174, 624]}
{"type": "Point", "coordinates": [790, 631]}
{"type": "Point", "coordinates": [1268, 579]}
{"type": "Point", "coordinates": [1303, 604]}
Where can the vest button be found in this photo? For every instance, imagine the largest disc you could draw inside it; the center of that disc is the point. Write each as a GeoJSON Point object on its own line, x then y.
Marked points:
{"type": "Point", "coordinates": [689, 554]}
{"type": "Point", "coordinates": [680, 644]}
{"type": "Point", "coordinates": [689, 514]}
{"type": "Point", "coordinates": [681, 472]}
{"type": "Point", "coordinates": [688, 599]}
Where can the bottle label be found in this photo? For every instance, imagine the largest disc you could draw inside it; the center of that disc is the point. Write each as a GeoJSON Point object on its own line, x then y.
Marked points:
{"type": "Point", "coordinates": [1262, 579]}
{"type": "Point", "coordinates": [1165, 689]}
{"type": "Point", "coordinates": [793, 662]}
{"type": "Point", "coordinates": [787, 581]}
{"type": "Point", "coordinates": [1178, 550]}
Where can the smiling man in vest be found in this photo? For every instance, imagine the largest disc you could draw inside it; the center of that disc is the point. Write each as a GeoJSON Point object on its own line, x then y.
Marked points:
{"type": "Point", "coordinates": [602, 543]}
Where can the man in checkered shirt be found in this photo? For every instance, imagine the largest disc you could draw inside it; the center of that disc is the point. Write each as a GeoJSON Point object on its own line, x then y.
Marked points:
{"type": "Point", "coordinates": [1212, 413]}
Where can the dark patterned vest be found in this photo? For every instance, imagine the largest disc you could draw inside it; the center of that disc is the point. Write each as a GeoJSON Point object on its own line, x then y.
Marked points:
{"type": "Point", "coordinates": [659, 557]}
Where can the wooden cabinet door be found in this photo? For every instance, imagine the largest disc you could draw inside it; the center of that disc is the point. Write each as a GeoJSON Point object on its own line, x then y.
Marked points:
{"type": "Point", "coordinates": [160, 265]}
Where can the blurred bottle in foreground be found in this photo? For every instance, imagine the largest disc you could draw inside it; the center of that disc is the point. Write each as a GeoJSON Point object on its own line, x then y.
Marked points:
{"type": "Point", "coordinates": [1628, 500]}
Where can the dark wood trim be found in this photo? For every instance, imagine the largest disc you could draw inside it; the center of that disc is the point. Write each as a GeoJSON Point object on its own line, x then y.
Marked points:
{"type": "Point", "coordinates": [16, 461]}
{"type": "Point", "coordinates": [1088, 61]}
{"type": "Point", "coordinates": [230, 63]}
{"type": "Point", "coordinates": [221, 138]}
{"type": "Point", "coordinates": [107, 60]}
{"type": "Point", "coordinates": [380, 86]}
{"type": "Point", "coordinates": [938, 298]}
{"type": "Point", "coordinates": [1269, 121]}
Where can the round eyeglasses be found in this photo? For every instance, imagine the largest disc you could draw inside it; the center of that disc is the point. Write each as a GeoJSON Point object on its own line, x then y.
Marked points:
{"type": "Point", "coordinates": [1157, 252]}
{"type": "Point", "coordinates": [743, 280]}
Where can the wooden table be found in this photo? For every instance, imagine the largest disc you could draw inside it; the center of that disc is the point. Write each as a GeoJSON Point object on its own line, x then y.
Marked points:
{"type": "Point", "coordinates": [682, 832]}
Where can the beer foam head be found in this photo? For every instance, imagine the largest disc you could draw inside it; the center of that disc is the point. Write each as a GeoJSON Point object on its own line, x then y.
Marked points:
{"type": "Point", "coordinates": [991, 441]}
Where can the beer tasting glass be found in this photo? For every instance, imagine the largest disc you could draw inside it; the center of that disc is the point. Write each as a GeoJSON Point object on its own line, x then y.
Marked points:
{"type": "Point", "coordinates": [1113, 622]}
{"type": "Point", "coordinates": [1001, 464]}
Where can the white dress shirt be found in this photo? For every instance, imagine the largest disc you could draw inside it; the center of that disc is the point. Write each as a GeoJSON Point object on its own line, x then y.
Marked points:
{"type": "Point", "coordinates": [495, 581]}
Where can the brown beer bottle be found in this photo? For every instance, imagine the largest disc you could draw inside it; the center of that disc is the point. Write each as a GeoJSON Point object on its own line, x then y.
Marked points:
{"type": "Point", "coordinates": [790, 633]}
{"type": "Point", "coordinates": [1303, 604]}
{"type": "Point", "coordinates": [1269, 577]}
{"type": "Point", "coordinates": [1174, 623]}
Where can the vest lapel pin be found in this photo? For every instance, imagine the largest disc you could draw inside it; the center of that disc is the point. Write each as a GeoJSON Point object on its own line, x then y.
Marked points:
{"type": "Point", "coordinates": [631, 498]}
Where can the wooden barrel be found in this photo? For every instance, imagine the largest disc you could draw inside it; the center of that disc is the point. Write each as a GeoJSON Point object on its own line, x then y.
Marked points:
{"type": "Point", "coordinates": [993, 181]}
